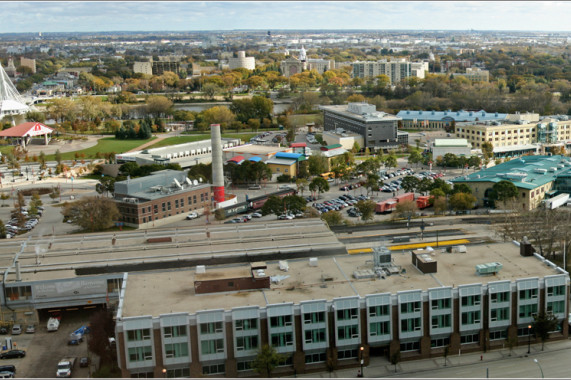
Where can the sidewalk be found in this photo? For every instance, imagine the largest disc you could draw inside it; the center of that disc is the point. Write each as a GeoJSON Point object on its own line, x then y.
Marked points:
{"type": "Point", "coordinates": [381, 367]}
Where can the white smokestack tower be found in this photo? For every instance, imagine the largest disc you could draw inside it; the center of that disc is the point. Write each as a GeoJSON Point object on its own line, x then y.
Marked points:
{"type": "Point", "coordinates": [217, 168]}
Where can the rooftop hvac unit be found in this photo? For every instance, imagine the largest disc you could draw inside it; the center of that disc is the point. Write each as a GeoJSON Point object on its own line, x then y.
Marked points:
{"type": "Point", "coordinates": [200, 269]}
{"type": "Point", "coordinates": [313, 261]}
{"type": "Point", "coordinates": [488, 268]}
{"type": "Point", "coordinates": [283, 265]}
{"type": "Point", "coordinates": [381, 256]}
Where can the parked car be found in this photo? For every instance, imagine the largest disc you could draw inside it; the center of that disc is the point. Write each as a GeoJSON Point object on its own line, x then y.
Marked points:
{"type": "Point", "coordinates": [3, 331]}
{"type": "Point", "coordinates": [12, 354]}
{"type": "Point", "coordinates": [84, 362]}
{"type": "Point", "coordinates": [30, 329]}
{"type": "Point", "coordinates": [257, 215]}
{"type": "Point", "coordinates": [8, 368]}
{"type": "Point", "coordinates": [192, 215]}
{"type": "Point", "coordinates": [16, 329]}
{"type": "Point", "coordinates": [285, 217]}
{"type": "Point", "coordinates": [6, 375]}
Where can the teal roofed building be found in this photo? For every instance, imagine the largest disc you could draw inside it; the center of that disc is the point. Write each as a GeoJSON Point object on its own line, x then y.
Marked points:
{"type": "Point", "coordinates": [536, 178]}
{"type": "Point", "coordinates": [445, 119]}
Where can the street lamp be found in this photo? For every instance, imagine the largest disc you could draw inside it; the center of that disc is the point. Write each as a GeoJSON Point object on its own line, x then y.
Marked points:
{"type": "Point", "coordinates": [362, 360]}
{"type": "Point", "coordinates": [528, 338]}
{"type": "Point", "coordinates": [539, 365]}
{"type": "Point", "coordinates": [164, 372]}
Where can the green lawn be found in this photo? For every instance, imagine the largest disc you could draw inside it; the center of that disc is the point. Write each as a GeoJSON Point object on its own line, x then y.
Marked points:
{"type": "Point", "coordinates": [191, 138]}
{"type": "Point", "coordinates": [304, 119]}
{"type": "Point", "coordinates": [104, 145]}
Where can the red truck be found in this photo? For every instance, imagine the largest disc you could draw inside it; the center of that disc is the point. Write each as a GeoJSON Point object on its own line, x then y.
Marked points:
{"type": "Point", "coordinates": [390, 204]}
{"type": "Point", "coordinates": [423, 201]}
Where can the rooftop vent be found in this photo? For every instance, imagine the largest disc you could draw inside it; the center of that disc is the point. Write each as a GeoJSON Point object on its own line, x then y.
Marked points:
{"type": "Point", "coordinates": [200, 269]}
{"type": "Point", "coordinates": [488, 268]}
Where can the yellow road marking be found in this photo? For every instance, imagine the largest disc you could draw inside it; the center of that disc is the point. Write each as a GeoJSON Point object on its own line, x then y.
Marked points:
{"type": "Point", "coordinates": [411, 246]}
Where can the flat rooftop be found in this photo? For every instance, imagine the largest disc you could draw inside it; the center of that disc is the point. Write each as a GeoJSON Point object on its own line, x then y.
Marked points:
{"type": "Point", "coordinates": [155, 293]}
{"type": "Point", "coordinates": [256, 149]}
{"type": "Point", "coordinates": [55, 257]}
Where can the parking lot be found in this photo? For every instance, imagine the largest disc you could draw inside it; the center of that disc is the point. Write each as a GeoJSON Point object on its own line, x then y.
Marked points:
{"type": "Point", "coordinates": [45, 349]}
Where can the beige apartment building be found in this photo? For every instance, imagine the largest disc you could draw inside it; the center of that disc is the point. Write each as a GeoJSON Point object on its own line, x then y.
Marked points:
{"type": "Point", "coordinates": [474, 74]}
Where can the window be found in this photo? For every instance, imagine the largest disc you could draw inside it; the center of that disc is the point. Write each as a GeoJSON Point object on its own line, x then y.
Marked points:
{"type": "Point", "coordinates": [176, 350]}
{"type": "Point", "coordinates": [246, 324]}
{"type": "Point", "coordinates": [470, 317]}
{"type": "Point", "coordinates": [169, 205]}
{"type": "Point", "coordinates": [282, 339]}
{"type": "Point", "coordinates": [189, 201]}
{"type": "Point", "coordinates": [244, 343]}
{"type": "Point", "coordinates": [176, 203]}
{"type": "Point", "coordinates": [377, 311]}
{"type": "Point", "coordinates": [280, 321]}
{"type": "Point", "coordinates": [440, 304]}
{"type": "Point", "coordinates": [440, 321]}
{"type": "Point", "coordinates": [347, 332]}
{"type": "Point", "coordinates": [139, 354]}
{"type": "Point", "coordinates": [202, 197]}
{"type": "Point", "coordinates": [527, 311]}
{"type": "Point", "coordinates": [380, 328]}
{"type": "Point", "coordinates": [439, 342]}
{"type": "Point", "coordinates": [317, 317]}
{"type": "Point", "coordinates": [210, 328]}
{"type": "Point", "coordinates": [19, 293]}
{"type": "Point", "coordinates": [178, 372]}
{"type": "Point", "coordinates": [410, 346]}
{"type": "Point", "coordinates": [500, 297]}
{"type": "Point", "coordinates": [409, 325]}
{"type": "Point", "coordinates": [164, 206]}
{"type": "Point", "coordinates": [498, 335]}
{"type": "Point", "coordinates": [556, 290]}
{"type": "Point", "coordinates": [181, 202]}
{"type": "Point", "coordinates": [556, 307]}
{"type": "Point", "coordinates": [142, 375]}
{"type": "Point", "coordinates": [501, 314]}
{"type": "Point", "coordinates": [469, 338]}
{"type": "Point", "coordinates": [244, 366]}
{"type": "Point", "coordinates": [347, 314]}
{"type": "Point", "coordinates": [194, 198]}
{"type": "Point", "coordinates": [137, 335]}
{"type": "Point", "coordinates": [174, 331]}
{"type": "Point", "coordinates": [213, 369]}
{"type": "Point", "coordinates": [212, 346]}
{"type": "Point", "coordinates": [524, 331]}
{"type": "Point", "coordinates": [471, 300]}
{"type": "Point", "coordinates": [410, 307]}
{"type": "Point", "coordinates": [315, 336]}
{"type": "Point", "coordinates": [315, 358]}
{"type": "Point", "coordinates": [347, 354]}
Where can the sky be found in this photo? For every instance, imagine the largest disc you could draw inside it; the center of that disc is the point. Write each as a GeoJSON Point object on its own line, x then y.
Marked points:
{"type": "Point", "coordinates": [109, 16]}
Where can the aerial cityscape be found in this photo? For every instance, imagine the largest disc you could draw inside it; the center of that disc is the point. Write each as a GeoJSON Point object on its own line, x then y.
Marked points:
{"type": "Point", "coordinates": [285, 189]}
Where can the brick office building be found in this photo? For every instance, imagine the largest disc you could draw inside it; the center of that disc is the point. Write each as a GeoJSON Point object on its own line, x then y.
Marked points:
{"type": "Point", "coordinates": [161, 195]}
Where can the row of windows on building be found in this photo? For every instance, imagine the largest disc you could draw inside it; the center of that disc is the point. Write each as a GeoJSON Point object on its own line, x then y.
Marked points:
{"type": "Point", "coordinates": [132, 214]}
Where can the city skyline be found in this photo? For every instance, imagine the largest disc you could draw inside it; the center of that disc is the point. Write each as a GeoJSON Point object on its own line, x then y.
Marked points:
{"type": "Point", "coordinates": [81, 16]}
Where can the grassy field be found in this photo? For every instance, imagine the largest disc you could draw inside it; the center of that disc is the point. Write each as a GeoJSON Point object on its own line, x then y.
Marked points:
{"type": "Point", "coordinates": [304, 119]}
{"type": "Point", "coordinates": [104, 145]}
{"type": "Point", "coordinates": [191, 138]}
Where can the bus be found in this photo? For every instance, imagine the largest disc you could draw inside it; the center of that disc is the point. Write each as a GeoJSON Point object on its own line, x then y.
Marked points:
{"type": "Point", "coordinates": [328, 175]}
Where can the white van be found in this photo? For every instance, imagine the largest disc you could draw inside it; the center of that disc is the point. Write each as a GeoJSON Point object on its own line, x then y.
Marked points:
{"type": "Point", "coordinates": [53, 324]}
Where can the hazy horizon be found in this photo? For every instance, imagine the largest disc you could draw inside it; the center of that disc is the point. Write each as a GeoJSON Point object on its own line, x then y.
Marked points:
{"type": "Point", "coordinates": [203, 16]}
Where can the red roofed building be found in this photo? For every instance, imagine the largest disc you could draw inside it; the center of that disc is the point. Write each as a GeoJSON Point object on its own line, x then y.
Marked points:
{"type": "Point", "coordinates": [24, 132]}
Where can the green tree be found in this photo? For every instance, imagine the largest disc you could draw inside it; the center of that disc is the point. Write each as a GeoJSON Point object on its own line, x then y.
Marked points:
{"type": "Point", "coordinates": [440, 204]}
{"type": "Point", "coordinates": [332, 218]}
{"type": "Point", "coordinates": [266, 360]}
{"type": "Point", "coordinates": [58, 157]}
{"type": "Point", "coordinates": [487, 151]}
{"type": "Point", "coordinates": [410, 183]}
{"type": "Point", "coordinates": [462, 201]}
{"type": "Point", "coordinates": [391, 161]}
{"type": "Point", "coordinates": [395, 359]}
{"type": "Point", "coordinates": [319, 185]}
{"type": "Point", "coordinates": [274, 205]}
{"type": "Point", "coordinates": [372, 183]}
{"type": "Point", "coordinates": [366, 208]}
{"type": "Point", "coordinates": [356, 148]}
{"type": "Point", "coordinates": [301, 184]}
{"type": "Point", "coordinates": [317, 164]}
{"type": "Point", "coordinates": [2, 230]}
{"type": "Point", "coordinates": [414, 157]}
{"type": "Point", "coordinates": [92, 213]}
{"type": "Point", "coordinates": [4, 197]}
{"type": "Point", "coordinates": [543, 323]}
{"type": "Point", "coordinates": [55, 193]}
{"type": "Point", "coordinates": [294, 203]}
{"type": "Point", "coordinates": [503, 191]}
{"type": "Point", "coordinates": [406, 209]}
{"type": "Point", "coordinates": [461, 188]}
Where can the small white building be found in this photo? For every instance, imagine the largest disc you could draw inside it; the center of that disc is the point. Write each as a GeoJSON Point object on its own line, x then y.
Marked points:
{"type": "Point", "coordinates": [458, 147]}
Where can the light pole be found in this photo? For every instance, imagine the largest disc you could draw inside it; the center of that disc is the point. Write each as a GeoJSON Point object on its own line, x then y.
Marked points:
{"type": "Point", "coordinates": [164, 372]}
{"type": "Point", "coordinates": [528, 338]}
{"type": "Point", "coordinates": [362, 360]}
{"type": "Point", "coordinates": [539, 365]}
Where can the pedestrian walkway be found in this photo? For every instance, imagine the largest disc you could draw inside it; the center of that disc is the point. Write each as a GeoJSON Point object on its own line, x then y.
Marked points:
{"type": "Point", "coordinates": [381, 367]}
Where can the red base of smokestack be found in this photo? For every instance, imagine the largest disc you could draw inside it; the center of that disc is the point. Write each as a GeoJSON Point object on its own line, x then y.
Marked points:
{"type": "Point", "coordinates": [219, 194]}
